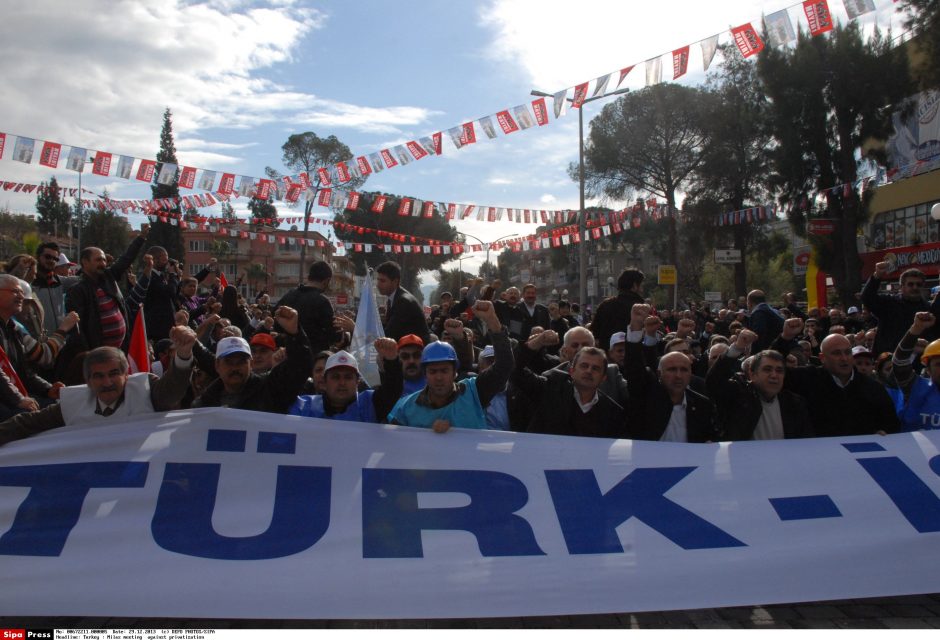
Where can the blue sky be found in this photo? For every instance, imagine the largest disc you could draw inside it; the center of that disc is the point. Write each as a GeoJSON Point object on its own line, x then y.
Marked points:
{"type": "Point", "coordinates": [240, 77]}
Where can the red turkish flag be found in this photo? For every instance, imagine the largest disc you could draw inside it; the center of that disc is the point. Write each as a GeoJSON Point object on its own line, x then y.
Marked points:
{"type": "Point", "coordinates": [187, 177]}
{"type": "Point", "coordinates": [416, 149]}
{"type": "Point", "coordinates": [623, 73]}
{"type": "Point", "coordinates": [506, 123]}
{"type": "Point", "coordinates": [747, 40]}
{"type": "Point", "coordinates": [389, 159]}
{"type": "Point", "coordinates": [818, 16]}
{"type": "Point", "coordinates": [580, 93]}
{"type": "Point", "coordinates": [227, 183]}
{"type": "Point", "coordinates": [102, 164]}
{"type": "Point", "coordinates": [145, 170]}
{"type": "Point", "coordinates": [378, 205]}
{"type": "Point", "coordinates": [138, 354]}
{"type": "Point", "coordinates": [50, 154]}
{"type": "Point", "coordinates": [680, 62]}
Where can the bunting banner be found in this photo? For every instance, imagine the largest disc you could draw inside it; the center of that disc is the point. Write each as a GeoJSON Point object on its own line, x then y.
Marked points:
{"type": "Point", "coordinates": [145, 170]}
{"type": "Point", "coordinates": [76, 159]}
{"type": "Point", "coordinates": [23, 150]}
{"type": "Point", "coordinates": [125, 164]}
{"type": "Point", "coordinates": [680, 62]}
{"type": "Point", "coordinates": [49, 156]}
{"type": "Point", "coordinates": [858, 8]}
{"type": "Point", "coordinates": [3, 142]}
{"type": "Point", "coordinates": [709, 48]}
{"type": "Point", "coordinates": [654, 71]}
{"type": "Point", "coordinates": [747, 40]}
{"type": "Point", "coordinates": [580, 95]}
{"type": "Point", "coordinates": [818, 16]}
{"type": "Point", "coordinates": [779, 28]}
{"type": "Point", "coordinates": [623, 74]}
{"type": "Point", "coordinates": [102, 164]}
{"type": "Point", "coordinates": [188, 178]}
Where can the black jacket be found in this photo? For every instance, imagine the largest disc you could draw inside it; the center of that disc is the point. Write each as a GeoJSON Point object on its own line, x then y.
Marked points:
{"type": "Point", "coordinates": [612, 316]}
{"type": "Point", "coordinates": [405, 317]}
{"type": "Point", "coordinates": [740, 407]}
{"type": "Point", "coordinates": [555, 409]}
{"type": "Point", "coordinates": [274, 391]}
{"type": "Point", "coordinates": [316, 315]}
{"type": "Point", "coordinates": [83, 299]}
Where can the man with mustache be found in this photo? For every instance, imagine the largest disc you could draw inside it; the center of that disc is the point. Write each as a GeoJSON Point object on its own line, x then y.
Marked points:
{"type": "Point", "coordinates": [275, 391]}
{"type": "Point", "coordinates": [110, 391]}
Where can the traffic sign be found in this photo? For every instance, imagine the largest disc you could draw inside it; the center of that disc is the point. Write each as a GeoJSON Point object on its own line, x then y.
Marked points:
{"type": "Point", "coordinates": [727, 256]}
{"type": "Point", "coordinates": [667, 274]}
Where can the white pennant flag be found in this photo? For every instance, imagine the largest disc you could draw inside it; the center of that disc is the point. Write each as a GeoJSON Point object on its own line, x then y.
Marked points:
{"type": "Point", "coordinates": [654, 71]}
{"type": "Point", "coordinates": [560, 103]}
{"type": "Point", "coordinates": [779, 28]}
{"type": "Point", "coordinates": [167, 174]}
{"type": "Point", "coordinates": [601, 86]}
{"type": "Point", "coordinates": [709, 47]}
{"type": "Point", "coordinates": [856, 8]}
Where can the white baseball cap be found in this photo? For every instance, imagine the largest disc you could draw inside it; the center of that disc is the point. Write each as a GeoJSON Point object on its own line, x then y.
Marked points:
{"type": "Point", "coordinates": [617, 338]}
{"type": "Point", "coordinates": [488, 352]}
{"type": "Point", "coordinates": [64, 261]}
{"type": "Point", "coordinates": [231, 345]}
{"type": "Point", "coordinates": [341, 359]}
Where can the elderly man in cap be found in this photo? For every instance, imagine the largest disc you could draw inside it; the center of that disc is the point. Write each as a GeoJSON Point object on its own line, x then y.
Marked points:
{"type": "Point", "coordinates": [110, 391]}
{"type": "Point", "coordinates": [341, 398]}
{"type": "Point", "coordinates": [263, 350]}
{"type": "Point", "coordinates": [238, 387]}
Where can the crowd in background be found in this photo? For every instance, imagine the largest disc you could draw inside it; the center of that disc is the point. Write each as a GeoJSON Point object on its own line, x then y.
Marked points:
{"type": "Point", "coordinates": [485, 357]}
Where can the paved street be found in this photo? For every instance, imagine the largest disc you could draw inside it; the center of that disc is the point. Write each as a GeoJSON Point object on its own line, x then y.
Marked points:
{"type": "Point", "coordinates": [902, 612]}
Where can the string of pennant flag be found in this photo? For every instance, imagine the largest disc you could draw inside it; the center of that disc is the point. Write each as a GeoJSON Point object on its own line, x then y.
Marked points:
{"type": "Point", "coordinates": [819, 20]}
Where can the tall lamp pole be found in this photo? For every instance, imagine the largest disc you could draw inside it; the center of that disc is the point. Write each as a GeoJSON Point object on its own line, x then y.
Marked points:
{"type": "Point", "coordinates": [582, 221]}
{"type": "Point", "coordinates": [488, 244]}
{"type": "Point", "coordinates": [78, 204]}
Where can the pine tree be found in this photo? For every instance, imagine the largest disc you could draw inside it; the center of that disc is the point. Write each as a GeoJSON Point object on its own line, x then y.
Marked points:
{"type": "Point", "coordinates": [165, 234]}
{"type": "Point", "coordinates": [53, 211]}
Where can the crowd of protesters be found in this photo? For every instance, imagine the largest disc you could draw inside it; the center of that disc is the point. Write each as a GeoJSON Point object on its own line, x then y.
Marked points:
{"type": "Point", "coordinates": [485, 358]}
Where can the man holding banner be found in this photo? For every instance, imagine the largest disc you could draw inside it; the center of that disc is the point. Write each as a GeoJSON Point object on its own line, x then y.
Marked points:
{"type": "Point", "coordinates": [111, 391]}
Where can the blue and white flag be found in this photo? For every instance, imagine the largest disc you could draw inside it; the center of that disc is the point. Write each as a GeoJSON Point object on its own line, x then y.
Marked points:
{"type": "Point", "coordinates": [368, 329]}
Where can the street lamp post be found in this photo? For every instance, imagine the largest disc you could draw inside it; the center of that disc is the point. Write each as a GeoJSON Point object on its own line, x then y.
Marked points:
{"type": "Point", "coordinates": [78, 204]}
{"type": "Point", "coordinates": [582, 221]}
{"type": "Point", "coordinates": [488, 244]}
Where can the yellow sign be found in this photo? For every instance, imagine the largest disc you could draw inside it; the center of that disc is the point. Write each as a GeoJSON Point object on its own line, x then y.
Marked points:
{"type": "Point", "coordinates": [667, 274]}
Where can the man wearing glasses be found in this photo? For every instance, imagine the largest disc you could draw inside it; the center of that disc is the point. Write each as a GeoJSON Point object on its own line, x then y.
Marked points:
{"type": "Point", "coordinates": [49, 288]}
{"type": "Point", "coordinates": [895, 311]}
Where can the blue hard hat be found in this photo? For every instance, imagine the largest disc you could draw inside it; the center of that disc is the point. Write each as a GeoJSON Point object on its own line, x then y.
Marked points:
{"type": "Point", "coordinates": [438, 352]}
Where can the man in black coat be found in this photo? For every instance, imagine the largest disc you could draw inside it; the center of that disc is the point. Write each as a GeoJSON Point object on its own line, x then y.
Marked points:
{"type": "Point", "coordinates": [160, 303]}
{"type": "Point", "coordinates": [841, 402]}
{"type": "Point", "coordinates": [895, 311]}
{"type": "Point", "coordinates": [403, 313]}
{"type": "Point", "coordinates": [315, 309]}
{"type": "Point", "coordinates": [662, 407]}
{"type": "Point", "coordinates": [536, 315]}
{"type": "Point", "coordinates": [613, 314]}
{"type": "Point", "coordinates": [759, 409]}
{"type": "Point", "coordinates": [98, 289]}
{"type": "Point", "coordinates": [569, 403]}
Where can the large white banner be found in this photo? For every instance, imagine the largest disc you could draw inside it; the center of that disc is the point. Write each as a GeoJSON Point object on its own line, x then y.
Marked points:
{"type": "Point", "coordinates": [224, 513]}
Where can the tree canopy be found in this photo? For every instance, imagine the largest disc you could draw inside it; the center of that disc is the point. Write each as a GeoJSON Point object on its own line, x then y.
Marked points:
{"type": "Point", "coordinates": [165, 234]}
{"type": "Point", "coordinates": [54, 212]}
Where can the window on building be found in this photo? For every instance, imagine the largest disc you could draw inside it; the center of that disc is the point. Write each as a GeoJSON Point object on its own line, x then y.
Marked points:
{"type": "Point", "coordinates": [903, 227]}
{"type": "Point", "coordinates": [288, 270]}
{"type": "Point", "coordinates": [196, 268]}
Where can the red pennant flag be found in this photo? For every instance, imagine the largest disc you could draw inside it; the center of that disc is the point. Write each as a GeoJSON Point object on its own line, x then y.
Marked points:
{"type": "Point", "coordinates": [469, 135]}
{"type": "Point", "coordinates": [102, 164]}
{"type": "Point", "coordinates": [451, 211]}
{"type": "Point", "coordinates": [389, 159]}
{"type": "Point", "coordinates": [304, 178]}
{"type": "Point", "coordinates": [187, 177]}
{"type": "Point", "coordinates": [436, 141]}
{"type": "Point", "coordinates": [680, 62]}
{"type": "Point", "coordinates": [342, 172]}
{"type": "Point", "coordinates": [227, 184]}
{"type": "Point", "coordinates": [491, 214]}
{"type": "Point", "coordinates": [50, 154]}
{"type": "Point", "coordinates": [747, 40]}
{"type": "Point", "coordinates": [541, 111]}
{"type": "Point", "coordinates": [263, 189]}
{"type": "Point", "coordinates": [353, 201]}
{"type": "Point", "coordinates": [138, 353]}
{"type": "Point", "coordinates": [818, 16]}
{"type": "Point", "coordinates": [468, 211]}
{"type": "Point", "coordinates": [404, 207]}
{"type": "Point", "coordinates": [378, 205]}
{"type": "Point", "coordinates": [623, 73]}
{"type": "Point", "coordinates": [146, 169]}
{"type": "Point", "coordinates": [427, 210]}
{"type": "Point", "coordinates": [506, 123]}
{"type": "Point", "coordinates": [364, 167]}
{"type": "Point", "coordinates": [580, 94]}
{"type": "Point", "coordinates": [416, 149]}
{"type": "Point", "coordinates": [324, 177]}
{"type": "Point", "coordinates": [324, 197]}
{"type": "Point", "coordinates": [3, 142]}
{"type": "Point", "coordinates": [222, 281]}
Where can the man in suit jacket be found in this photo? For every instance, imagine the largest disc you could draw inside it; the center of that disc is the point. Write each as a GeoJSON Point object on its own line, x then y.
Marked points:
{"type": "Point", "coordinates": [403, 313]}
{"type": "Point", "coordinates": [662, 407]}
